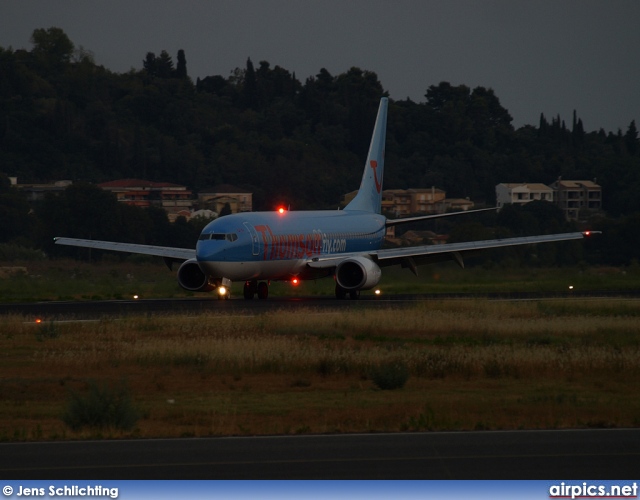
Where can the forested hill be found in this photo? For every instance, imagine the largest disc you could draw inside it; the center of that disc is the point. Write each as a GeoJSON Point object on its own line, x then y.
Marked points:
{"type": "Point", "coordinates": [302, 143]}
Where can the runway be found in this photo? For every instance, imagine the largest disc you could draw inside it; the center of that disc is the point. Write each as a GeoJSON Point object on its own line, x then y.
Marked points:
{"type": "Point", "coordinates": [561, 454]}
{"type": "Point", "coordinates": [95, 309]}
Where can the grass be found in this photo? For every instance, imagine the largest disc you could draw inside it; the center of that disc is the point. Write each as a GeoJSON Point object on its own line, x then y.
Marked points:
{"type": "Point", "coordinates": [473, 364]}
{"type": "Point", "coordinates": [117, 279]}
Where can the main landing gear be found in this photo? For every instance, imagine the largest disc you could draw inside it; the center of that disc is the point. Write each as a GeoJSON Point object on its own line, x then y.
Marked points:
{"type": "Point", "coordinates": [252, 288]}
{"type": "Point", "coordinates": [341, 293]}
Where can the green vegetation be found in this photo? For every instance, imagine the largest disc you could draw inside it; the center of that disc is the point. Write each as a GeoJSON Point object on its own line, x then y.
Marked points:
{"type": "Point", "coordinates": [101, 407]}
{"type": "Point", "coordinates": [462, 365]}
{"type": "Point", "coordinates": [297, 143]}
{"type": "Point", "coordinates": [118, 279]}
{"type": "Point", "coordinates": [389, 375]}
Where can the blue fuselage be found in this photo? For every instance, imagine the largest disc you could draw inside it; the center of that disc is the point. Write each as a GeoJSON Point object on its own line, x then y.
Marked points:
{"type": "Point", "coordinates": [277, 246]}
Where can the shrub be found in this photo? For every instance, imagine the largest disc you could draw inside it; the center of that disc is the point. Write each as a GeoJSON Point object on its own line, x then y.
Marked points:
{"type": "Point", "coordinates": [101, 407]}
{"type": "Point", "coordinates": [390, 375]}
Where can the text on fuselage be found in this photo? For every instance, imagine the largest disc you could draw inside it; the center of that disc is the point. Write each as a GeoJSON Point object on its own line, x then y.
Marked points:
{"type": "Point", "coordinates": [298, 246]}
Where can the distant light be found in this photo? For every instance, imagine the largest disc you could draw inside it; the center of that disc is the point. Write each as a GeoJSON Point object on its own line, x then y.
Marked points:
{"type": "Point", "coordinates": [570, 287]}
{"type": "Point", "coordinates": [377, 292]}
{"type": "Point", "coordinates": [281, 210]}
{"type": "Point", "coordinates": [136, 297]}
{"type": "Point", "coordinates": [38, 321]}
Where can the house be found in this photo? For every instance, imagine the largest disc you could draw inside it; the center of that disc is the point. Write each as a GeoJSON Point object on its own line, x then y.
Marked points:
{"type": "Point", "coordinates": [403, 202]}
{"type": "Point", "coordinates": [522, 193]}
{"type": "Point", "coordinates": [173, 198]}
{"type": "Point", "coordinates": [215, 198]}
{"type": "Point", "coordinates": [37, 192]}
{"type": "Point", "coordinates": [574, 197]}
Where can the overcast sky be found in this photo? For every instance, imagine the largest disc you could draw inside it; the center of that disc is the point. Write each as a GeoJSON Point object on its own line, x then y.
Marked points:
{"type": "Point", "coordinates": [539, 56]}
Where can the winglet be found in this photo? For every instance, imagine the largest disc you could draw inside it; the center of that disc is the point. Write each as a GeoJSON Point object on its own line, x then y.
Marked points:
{"type": "Point", "coordinates": [369, 195]}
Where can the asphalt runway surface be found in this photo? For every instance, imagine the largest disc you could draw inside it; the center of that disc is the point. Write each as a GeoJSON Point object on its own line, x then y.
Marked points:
{"type": "Point", "coordinates": [101, 308]}
{"type": "Point", "coordinates": [561, 454]}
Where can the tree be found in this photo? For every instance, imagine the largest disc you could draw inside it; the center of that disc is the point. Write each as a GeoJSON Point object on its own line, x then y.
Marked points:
{"type": "Point", "coordinates": [631, 138]}
{"type": "Point", "coordinates": [226, 210]}
{"type": "Point", "coordinates": [15, 221]}
{"type": "Point", "coordinates": [150, 64]}
{"type": "Point", "coordinates": [250, 87]}
{"type": "Point", "coordinates": [165, 65]}
{"type": "Point", "coordinates": [52, 47]}
{"type": "Point", "coordinates": [181, 68]}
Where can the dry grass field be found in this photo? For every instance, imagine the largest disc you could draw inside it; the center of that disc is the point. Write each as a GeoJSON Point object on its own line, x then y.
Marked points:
{"type": "Point", "coordinates": [470, 365]}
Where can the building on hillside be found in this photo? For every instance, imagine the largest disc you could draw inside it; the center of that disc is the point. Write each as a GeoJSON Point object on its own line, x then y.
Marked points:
{"type": "Point", "coordinates": [576, 197]}
{"type": "Point", "coordinates": [404, 202]}
{"type": "Point", "coordinates": [458, 204]}
{"type": "Point", "coordinates": [522, 193]}
{"type": "Point", "coordinates": [173, 198]}
{"type": "Point", "coordinates": [428, 201]}
{"type": "Point", "coordinates": [36, 192]}
{"type": "Point", "coordinates": [215, 198]}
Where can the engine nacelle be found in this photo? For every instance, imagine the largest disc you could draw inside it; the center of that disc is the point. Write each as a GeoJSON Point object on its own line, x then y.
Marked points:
{"type": "Point", "coordinates": [358, 273]}
{"type": "Point", "coordinates": [191, 277]}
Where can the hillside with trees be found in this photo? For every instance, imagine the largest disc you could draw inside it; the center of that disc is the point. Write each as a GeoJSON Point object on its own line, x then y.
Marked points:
{"type": "Point", "coordinates": [303, 144]}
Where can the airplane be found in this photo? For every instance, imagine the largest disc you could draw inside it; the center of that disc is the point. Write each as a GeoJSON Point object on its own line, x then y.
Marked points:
{"type": "Point", "coordinates": [259, 247]}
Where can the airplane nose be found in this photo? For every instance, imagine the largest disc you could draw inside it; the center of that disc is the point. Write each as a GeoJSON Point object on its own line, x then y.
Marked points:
{"type": "Point", "coordinates": [203, 250]}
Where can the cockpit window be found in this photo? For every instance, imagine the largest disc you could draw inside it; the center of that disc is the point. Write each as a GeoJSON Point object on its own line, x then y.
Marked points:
{"type": "Point", "coordinates": [219, 236]}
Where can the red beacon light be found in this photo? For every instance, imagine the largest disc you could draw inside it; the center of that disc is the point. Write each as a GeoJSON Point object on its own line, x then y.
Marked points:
{"type": "Point", "coordinates": [295, 281]}
{"type": "Point", "coordinates": [281, 210]}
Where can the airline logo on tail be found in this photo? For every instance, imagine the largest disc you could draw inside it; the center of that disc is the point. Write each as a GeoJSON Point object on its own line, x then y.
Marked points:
{"type": "Point", "coordinates": [374, 166]}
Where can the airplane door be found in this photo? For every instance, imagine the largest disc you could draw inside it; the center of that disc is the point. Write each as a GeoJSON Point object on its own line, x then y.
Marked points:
{"type": "Point", "coordinates": [255, 241]}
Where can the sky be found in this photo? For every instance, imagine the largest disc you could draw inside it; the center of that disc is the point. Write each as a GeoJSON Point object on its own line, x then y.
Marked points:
{"type": "Point", "coordinates": [539, 56]}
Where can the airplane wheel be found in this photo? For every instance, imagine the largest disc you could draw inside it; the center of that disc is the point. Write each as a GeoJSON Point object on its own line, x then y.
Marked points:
{"type": "Point", "coordinates": [341, 293]}
{"type": "Point", "coordinates": [263, 290]}
{"type": "Point", "coordinates": [249, 289]}
{"type": "Point", "coordinates": [354, 295]}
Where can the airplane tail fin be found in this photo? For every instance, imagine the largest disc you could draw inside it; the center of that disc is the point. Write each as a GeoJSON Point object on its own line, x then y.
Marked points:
{"type": "Point", "coordinates": [369, 195]}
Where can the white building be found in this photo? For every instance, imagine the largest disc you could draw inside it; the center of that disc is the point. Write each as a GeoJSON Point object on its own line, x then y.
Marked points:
{"type": "Point", "coordinates": [521, 193]}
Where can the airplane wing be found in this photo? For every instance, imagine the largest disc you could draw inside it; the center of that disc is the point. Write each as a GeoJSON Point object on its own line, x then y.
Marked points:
{"type": "Point", "coordinates": [394, 222]}
{"type": "Point", "coordinates": [426, 254]}
{"type": "Point", "coordinates": [166, 252]}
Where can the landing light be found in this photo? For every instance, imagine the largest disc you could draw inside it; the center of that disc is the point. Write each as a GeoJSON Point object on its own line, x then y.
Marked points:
{"type": "Point", "coordinates": [570, 287]}
{"type": "Point", "coordinates": [136, 297]}
{"type": "Point", "coordinates": [222, 290]}
{"type": "Point", "coordinates": [377, 292]}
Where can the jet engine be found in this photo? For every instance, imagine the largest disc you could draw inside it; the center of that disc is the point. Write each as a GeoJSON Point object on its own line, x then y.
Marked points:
{"type": "Point", "coordinates": [358, 273]}
{"type": "Point", "coordinates": [191, 277]}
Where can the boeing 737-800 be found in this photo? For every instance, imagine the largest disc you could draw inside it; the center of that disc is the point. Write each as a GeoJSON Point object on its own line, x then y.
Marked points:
{"type": "Point", "coordinates": [259, 247]}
